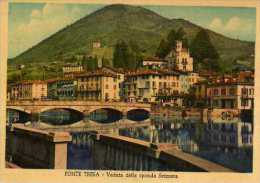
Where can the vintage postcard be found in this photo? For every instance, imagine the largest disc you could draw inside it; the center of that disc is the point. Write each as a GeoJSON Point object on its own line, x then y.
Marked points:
{"type": "Point", "coordinates": [114, 91]}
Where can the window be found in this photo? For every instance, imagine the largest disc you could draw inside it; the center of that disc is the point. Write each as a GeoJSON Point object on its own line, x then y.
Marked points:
{"type": "Point", "coordinates": [215, 137]}
{"type": "Point", "coordinates": [134, 86]}
{"type": "Point", "coordinates": [245, 139]}
{"type": "Point", "coordinates": [251, 91]}
{"type": "Point", "coordinates": [154, 84]}
{"type": "Point", "coordinates": [215, 92]}
{"type": "Point", "coordinates": [147, 84]}
{"type": "Point", "coordinates": [244, 102]}
{"type": "Point", "coordinates": [164, 85]}
{"type": "Point", "coordinates": [232, 139]}
{"type": "Point", "coordinates": [223, 127]}
{"type": "Point", "coordinates": [223, 91]}
{"type": "Point", "coordinates": [223, 138]}
{"type": "Point", "coordinates": [244, 91]}
{"type": "Point", "coordinates": [215, 103]}
{"type": "Point", "coordinates": [107, 86]}
{"type": "Point", "coordinates": [232, 128]}
{"type": "Point", "coordinates": [245, 129]}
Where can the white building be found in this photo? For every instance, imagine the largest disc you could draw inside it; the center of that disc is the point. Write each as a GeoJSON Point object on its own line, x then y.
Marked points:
{"type": "Point", "coordinates": [154, 62]}
{"type": "Point", "coordinates": [179, 59]}
{"type": "Point", "coordinates": [149, 85]}
{"type": "Point", "coordinates": [72, 68]}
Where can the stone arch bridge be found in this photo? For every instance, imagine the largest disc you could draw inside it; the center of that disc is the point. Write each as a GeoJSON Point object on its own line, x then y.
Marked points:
{"type": "Point", "coordinates": [34, 107]}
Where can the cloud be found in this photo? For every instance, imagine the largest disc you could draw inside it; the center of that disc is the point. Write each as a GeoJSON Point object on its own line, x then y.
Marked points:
{"type": "Point", "coordinates": [234, 25]}
{"type": "Point", "coordinates": [43, 22]}
{"type": "Point", "coordinates": [216, 23]}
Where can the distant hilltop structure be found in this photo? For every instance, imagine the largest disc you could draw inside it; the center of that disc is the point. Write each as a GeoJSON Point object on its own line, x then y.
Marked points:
{"type": "Point", "coordinates": [101, 52]}
{"type": "Point", "coordinates": [96, 44]}
{"type": "Point", "coordinates": [179, 58]}
{"type": "Point", "coordinates": [68, 68]}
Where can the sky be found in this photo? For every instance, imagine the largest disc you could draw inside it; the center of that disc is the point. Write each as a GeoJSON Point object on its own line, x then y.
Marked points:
{"type": "Point", "coordinates": [30, 23]}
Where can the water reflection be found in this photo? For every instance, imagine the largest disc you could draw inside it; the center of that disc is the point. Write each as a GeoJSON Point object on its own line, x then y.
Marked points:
{"type": "Point", "coordinates": [174, 133]}
{"type": "Point", "coordinates": [188, 133]}
{"type": "Point", "coordinates": [60, 116]}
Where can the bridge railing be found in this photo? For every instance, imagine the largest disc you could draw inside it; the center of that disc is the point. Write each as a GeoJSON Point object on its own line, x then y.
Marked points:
{"type": "Point", "coordinates": [32, 148]}
{"type": "Point", "coordinates": [124, 153]}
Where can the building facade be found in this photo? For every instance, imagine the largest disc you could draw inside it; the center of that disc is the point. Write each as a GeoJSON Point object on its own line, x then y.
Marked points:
{"type": "Point", "coordinates": [179, 59]}
{"type": "Point", "coordinates": [187, 80]}
{"type": "Point", "coordinates": [151, 85]}
{"type": "Point", "coordinates": [231, 95]}
{"type": "Point", "coordinates": [153, 62]}
{"type": "Point", "coordinates": [199, 90]}
{"type": "Point", "coordinates": [62, 89]}
{"type": "Point", "coordinates": [99, 86]}
{"type": "Point", "coordinates": [28, 90]}
{"type": "Point", "coordinates": [72, 68]}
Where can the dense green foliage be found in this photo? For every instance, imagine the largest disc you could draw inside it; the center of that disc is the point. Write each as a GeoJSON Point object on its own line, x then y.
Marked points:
{"type": "Point", "coordinates": [126, 56]}
{"type": "Point", "coordinates": [90, 63]}
{"type": "Point", "coordinates": [204, 53]}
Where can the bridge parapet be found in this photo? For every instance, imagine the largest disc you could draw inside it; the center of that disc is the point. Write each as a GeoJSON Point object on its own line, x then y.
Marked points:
{"type": "Point", "coordinates": [33, 148]}
{"type": "Point", "coordinates": [85, 107]}
{"type": "Point", "coordinates": [124, 153]}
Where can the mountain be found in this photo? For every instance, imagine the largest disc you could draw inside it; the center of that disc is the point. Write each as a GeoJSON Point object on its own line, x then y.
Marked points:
{"type": "Point", "coordinates": [129, 23]}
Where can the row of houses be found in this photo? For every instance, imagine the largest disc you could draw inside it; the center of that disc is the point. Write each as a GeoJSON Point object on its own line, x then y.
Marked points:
{"type": "Point", "coordinates": [168, 81]}
{"type": "Point", "coordinates": [144, 85]}
{"type": "Point", "coordinates": [226, 91]}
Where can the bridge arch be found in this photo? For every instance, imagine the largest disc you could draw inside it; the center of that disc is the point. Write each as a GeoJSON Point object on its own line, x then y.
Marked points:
{"type": "Point", "coordinates": [70, 108]}
{"type": "Point", "coordinates": [17, 115]}
{"type": "Point", "coordinates": [138, 114]}
{"type": "Point", "coordinates": [105, 115]}
{"type": "Point", "coordinates": [19, 109]}
{"type": "Point", "coordinates": [61, 116]}
{"type": "Point", "coordinates": [92, 109]}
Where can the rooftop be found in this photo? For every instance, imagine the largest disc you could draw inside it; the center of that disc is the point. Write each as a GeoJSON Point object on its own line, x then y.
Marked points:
{"type": "Point", "coordinates": [141, 72]}
{"type": "Point", "coordinates": [30, 82]}
{"type": "Point", "coordinates": [154, 59]}
{"type": "Point", "coordinates": [98, 72]}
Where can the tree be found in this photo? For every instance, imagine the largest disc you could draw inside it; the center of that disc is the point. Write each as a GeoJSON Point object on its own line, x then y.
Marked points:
{"type": "Point", "coordinates": [90, 63]}
{"type": "Point", "coordinates": [121, 55]}
{"type": "Point", "coordinates": [171, 40]}
{"type": "Point", "coordinates": [163, 49]}
{"type": "Point", "coordinates": [203, 51]}
{"type": "Point", "coordinates": [127, 55]}
{"type": "Point", "coordinates": [105, 62]}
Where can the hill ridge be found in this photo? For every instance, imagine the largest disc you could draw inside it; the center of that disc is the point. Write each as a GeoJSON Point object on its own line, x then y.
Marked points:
{"type": "Point", "coordinates": [128, 22]}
